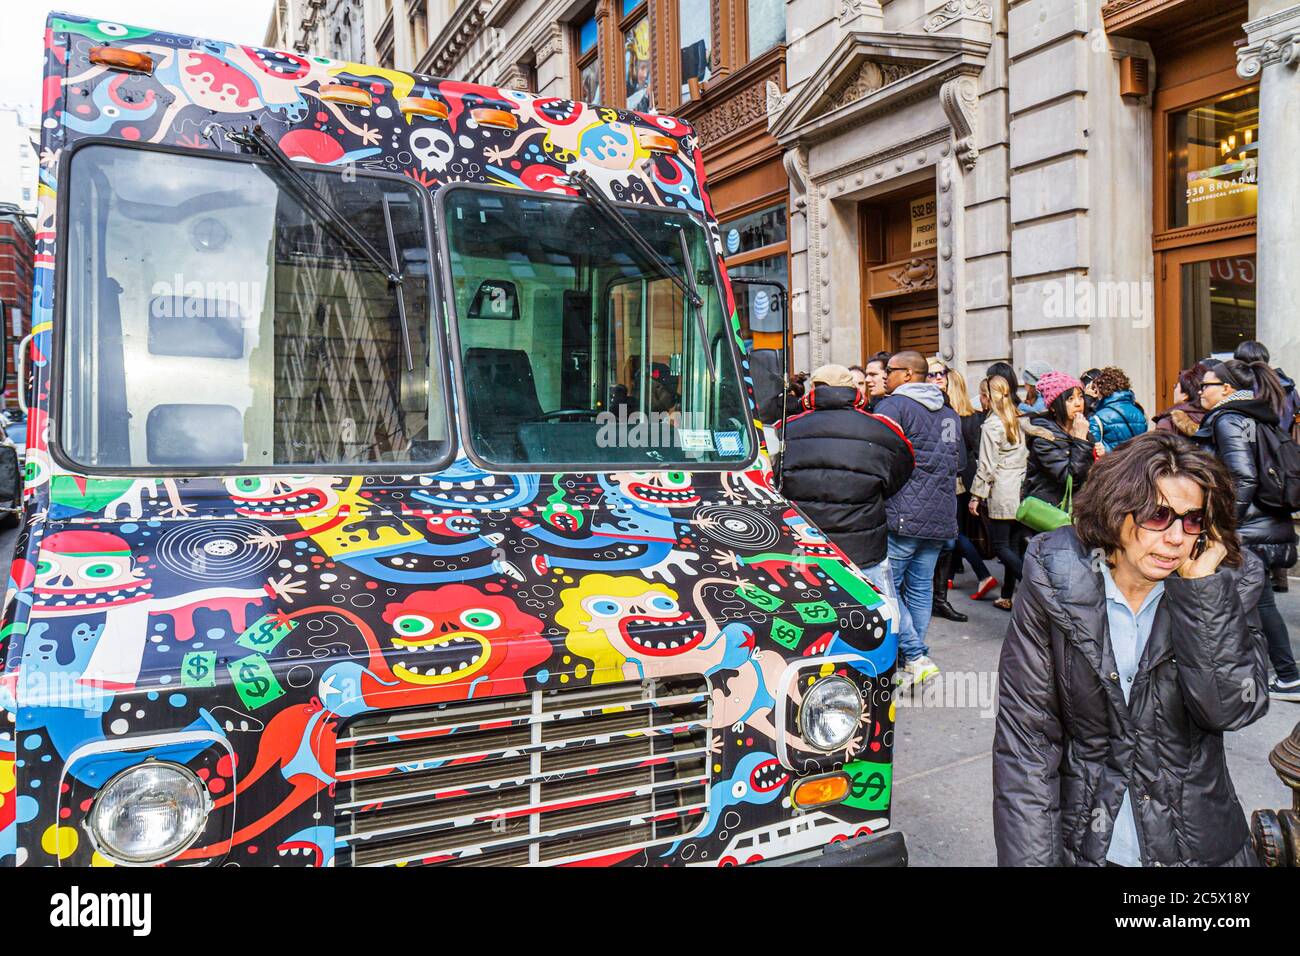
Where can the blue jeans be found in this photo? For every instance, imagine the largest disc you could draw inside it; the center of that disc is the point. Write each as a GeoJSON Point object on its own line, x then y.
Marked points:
{"type": "Point", "coordinates": [912, 562]}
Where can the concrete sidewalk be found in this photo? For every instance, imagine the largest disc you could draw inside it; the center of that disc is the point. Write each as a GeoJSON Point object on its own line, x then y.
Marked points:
{"type": "Point", "coordinates": [943, 788]}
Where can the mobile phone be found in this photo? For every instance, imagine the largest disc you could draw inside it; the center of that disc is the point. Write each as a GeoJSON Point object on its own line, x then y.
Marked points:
{"type": "Point", "coordinates": [1202, 542]}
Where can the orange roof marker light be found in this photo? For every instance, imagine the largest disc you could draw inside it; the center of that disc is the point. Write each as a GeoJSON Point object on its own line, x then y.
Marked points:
{"type": "Point", "coordinates": [500, 119]}
{"type": "Point", "coordinates": [820, 791]}
{"type": "Point", "coordinates": [655, 142]}
{"type": "Point", "coordinates": [351, 95]}
{"type": "Point", "coordinates": [116, 58]}
{"type": "Point", "coordinates": [419, 106]}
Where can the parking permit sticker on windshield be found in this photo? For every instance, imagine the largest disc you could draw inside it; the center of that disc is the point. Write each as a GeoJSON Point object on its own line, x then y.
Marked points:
{"type": "Point", "coordinates": [728, 443]}
{"type": "Point", "coordinates": [696, 439]}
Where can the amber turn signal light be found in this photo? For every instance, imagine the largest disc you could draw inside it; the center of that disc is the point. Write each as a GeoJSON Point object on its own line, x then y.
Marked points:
{"type": "Point", "coordinates": [501, 119]}
{"type": "Point", "coordinates": [656, 142]}
{"type": "Point", "coordinates": [419, 106]}
{"type": "Point", "coordinates": [115, 58]}
{"type": "Point", "coordinates": [820, 791]}
{"type": "Point", "coordinates": [351, 95]}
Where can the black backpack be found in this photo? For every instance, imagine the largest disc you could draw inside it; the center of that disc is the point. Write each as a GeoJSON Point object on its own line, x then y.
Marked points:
{"type": "Point", "coordinates": [1279, 469]}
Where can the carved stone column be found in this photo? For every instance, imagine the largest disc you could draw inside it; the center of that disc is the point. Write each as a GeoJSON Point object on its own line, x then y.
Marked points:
{"type": "Point", "coordinates": [1272, 57]}
{"type": "Point", "coordinates": [960, 100]}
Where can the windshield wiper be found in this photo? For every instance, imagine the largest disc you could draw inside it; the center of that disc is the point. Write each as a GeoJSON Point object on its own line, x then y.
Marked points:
{"type": "Point", "coordinates": [256, 140]}
{"type": "Point", "coordinates": [599, 202]}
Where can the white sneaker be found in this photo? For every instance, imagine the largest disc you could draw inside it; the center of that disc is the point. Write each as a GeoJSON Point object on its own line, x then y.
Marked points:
{"type": "Point", "coordinates": [923, 669]}
{"type": "Point", "coordinates": [1289, 691]}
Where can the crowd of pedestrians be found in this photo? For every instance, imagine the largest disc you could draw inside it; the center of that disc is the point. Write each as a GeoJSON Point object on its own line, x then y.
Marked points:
{"type": "Point", "coordinates": [917, 480]}
{"type": "Point", "coordinates": [1139, 557]}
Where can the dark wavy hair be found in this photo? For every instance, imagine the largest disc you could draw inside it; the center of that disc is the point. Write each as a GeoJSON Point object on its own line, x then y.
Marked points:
{"type": "Point", "coordinates": [1110, 380]}
{"type": "Point", "coordinates": [1190, 379]}
{"type": "Point", "coordinates": [1126, 483]}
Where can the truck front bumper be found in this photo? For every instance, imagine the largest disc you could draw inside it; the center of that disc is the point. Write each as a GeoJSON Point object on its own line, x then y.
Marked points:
{"type": "Point", "coordinates": [885, 849]}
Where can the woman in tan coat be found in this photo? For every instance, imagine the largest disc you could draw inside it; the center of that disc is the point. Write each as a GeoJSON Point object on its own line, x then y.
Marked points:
{"type": "Point", "coordinates": [1004, 452]}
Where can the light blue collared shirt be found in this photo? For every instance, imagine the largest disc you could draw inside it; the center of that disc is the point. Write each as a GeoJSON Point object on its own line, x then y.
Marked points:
{"type": "Point", "coordinates": [1129, 633]}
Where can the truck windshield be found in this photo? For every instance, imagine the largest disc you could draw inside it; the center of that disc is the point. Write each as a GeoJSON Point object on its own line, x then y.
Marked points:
{"type": "Point", "coordinates": [212, 322]}
{"type": "Point", "coordinates": [576, 350]}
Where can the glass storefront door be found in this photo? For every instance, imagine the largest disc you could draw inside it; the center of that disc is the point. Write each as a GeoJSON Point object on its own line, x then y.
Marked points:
{"type": "Point", "coordinates": [1218, 299]}
{"type": "Point", "coordinates": [1208, 307]}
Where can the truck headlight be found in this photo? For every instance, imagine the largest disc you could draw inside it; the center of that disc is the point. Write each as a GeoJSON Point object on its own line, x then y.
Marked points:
{"type": "Point", "coordinates": [830, 713]}
{"type": "Point", "coordinates": [149, 813]}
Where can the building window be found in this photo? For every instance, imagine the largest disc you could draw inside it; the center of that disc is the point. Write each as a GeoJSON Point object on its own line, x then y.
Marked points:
{"type": "Point", "coordinates": [588, 35]}
{"type": "Point", "coordinates": [635, 28]}
{"type": "Point", "coordinates": [1214, 160]}
{"type": "Point", "coordinates": [695, 28]}
{"type": "Point", "coordinates": [766, 25]}
{"type": "Point", "coordinates": [757, 247]}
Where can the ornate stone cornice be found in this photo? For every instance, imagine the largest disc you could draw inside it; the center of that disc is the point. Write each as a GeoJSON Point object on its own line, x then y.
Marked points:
{"type": "Point", "coordinates": [550, 43]}
{"type": "Point", "coordinates": [1274, 39]}
{"type": "Point", "coordinates": [909, 67]}
{"type": "Point", "coordinates": [464, 26]}
{"type": "Point", "coordinates": [736, 102]}
{"type": "Point", "coordinates": [955, 10]}
{"type": "Point", "coordinates": [871, 76]}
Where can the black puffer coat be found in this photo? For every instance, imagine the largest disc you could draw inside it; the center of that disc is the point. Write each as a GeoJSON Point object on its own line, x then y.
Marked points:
{"type": "Point", "coordinates": [1229, 432]}
{"type": "Point", "coordinates": [1067, 745]}
{"type": "Point", "coordinates": [1053, 455]}
{"type": "Point", "coordinates": [840, 464]}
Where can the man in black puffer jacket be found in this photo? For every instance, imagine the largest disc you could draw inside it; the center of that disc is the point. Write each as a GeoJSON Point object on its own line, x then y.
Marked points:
{"type": "Point", "coordinates": [840, 464]}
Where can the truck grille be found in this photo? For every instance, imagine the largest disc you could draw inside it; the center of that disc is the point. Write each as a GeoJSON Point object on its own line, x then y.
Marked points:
{"type": "Point", "coordinates": [536, 778]}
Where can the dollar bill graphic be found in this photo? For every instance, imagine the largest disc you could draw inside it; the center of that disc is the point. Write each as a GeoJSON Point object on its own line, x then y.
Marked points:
{"type": "Point", "coordinates": [758, 597]}
{"type": "Point", "coordinates": [816, 612]}
{"type": "Point", "coordinates": [786, 634]}
{"type": "Point", "coordinates": [199, 669]}
{"type": "Point", "coordinates": [255, 681]}
{"type": "Point", "coordinates": [266, 632]}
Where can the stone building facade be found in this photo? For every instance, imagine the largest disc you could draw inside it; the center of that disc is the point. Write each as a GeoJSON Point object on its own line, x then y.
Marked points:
{"type": "Point", "coordinates": [1081, 182]}
{"type": "Point", "coordinates": [1076, 181]}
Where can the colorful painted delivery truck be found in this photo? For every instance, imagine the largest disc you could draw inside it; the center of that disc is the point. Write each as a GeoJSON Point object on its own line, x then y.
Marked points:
{"type": "Point", "coordinates": [394, 494]}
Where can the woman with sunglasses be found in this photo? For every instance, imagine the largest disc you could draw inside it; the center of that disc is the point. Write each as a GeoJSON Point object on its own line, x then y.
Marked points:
{"type": "Point", "coordinates": [1240, 399]}
{"type": "Point", "coordinates": [1132, 649]}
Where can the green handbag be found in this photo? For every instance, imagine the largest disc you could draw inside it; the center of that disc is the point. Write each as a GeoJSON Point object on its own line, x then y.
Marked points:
{"type": "Point", "coordinates": [1037, 514]}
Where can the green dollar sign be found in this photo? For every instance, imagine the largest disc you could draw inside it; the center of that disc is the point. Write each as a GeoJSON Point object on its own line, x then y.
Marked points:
{"type": "Point", "coordinates": [254, 683]}
{"type": "Point", "coordinates": [197, 669]}
{"type": "Point", "coordinates": [265, 633]}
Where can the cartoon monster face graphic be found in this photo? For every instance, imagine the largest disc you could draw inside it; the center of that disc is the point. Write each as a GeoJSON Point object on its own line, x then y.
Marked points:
{"type": "Point", "coordinates": [85, 571]}
{"type": "Point", "coordinates": [613, 620]}
{"type": "Point", "coordinates": [282, 497]}
{"type": "Point", "coordinates": [465, 487]}
{"type": "Point", "coordinates": [667, 489]}
{"type": "Point", "coordinates": [456, 636]}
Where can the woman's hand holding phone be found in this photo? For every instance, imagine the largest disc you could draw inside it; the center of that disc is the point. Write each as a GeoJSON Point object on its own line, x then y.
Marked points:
{"type": "Point", "coordinates": [1204, 559]}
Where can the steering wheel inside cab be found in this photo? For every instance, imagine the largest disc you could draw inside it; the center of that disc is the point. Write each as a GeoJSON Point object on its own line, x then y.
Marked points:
{"type": "Point", "coordinates": [568, 415]}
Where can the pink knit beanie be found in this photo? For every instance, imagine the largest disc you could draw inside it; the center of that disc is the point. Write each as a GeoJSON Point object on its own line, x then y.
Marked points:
{"type": "Point", "coordinates": [1051, 385]}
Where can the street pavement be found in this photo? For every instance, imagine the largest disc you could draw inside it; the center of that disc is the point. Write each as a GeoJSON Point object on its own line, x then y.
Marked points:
{"type": "Point", "coordinates": [943, 786]}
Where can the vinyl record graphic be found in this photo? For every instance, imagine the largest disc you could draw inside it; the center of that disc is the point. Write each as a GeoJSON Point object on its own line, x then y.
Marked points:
{"type": "Point", "coordinates": [215, 550]}
{"type": "Point", "coordinates": [738, 527]}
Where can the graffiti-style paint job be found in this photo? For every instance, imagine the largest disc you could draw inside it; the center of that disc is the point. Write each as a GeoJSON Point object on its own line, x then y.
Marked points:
{"type": "Point", "coordinates": [262, 615]}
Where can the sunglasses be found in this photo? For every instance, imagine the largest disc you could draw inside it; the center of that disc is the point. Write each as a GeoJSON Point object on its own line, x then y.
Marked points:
{"type": "Point", "coordinates": [890, 369]}
{"type": "Point", "coordinates": [1163, 517]}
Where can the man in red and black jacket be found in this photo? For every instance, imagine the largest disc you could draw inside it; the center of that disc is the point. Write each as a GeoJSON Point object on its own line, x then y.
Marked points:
{"type": "Point", "coordinates": [840, 464]}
